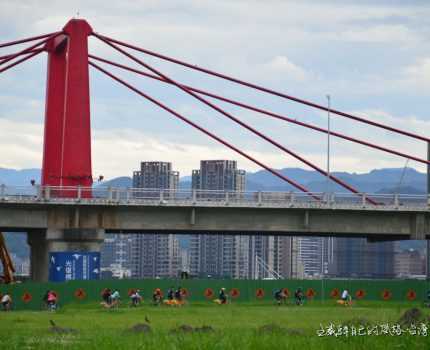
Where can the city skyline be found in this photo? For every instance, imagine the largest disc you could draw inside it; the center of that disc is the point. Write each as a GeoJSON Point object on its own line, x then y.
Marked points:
{"type": "Point", "coordinates": [404, 181]}
{"type": "Point", "coordinates": [245, 256]}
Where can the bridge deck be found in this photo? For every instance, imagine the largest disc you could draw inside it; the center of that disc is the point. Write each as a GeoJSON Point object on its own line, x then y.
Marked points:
{"type": "Point", "coordinates": [105, 196]}
{"type": "Point", "coordinates": [136, 210]}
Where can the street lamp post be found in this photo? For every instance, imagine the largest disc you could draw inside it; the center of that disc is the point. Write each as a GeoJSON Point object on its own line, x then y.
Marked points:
{"type": "Point", "coordinates": [328, 147]}
{"type": "Point", "coordinates": [327, 190]}
{"type": "Point", "coordinates": [428, 203]}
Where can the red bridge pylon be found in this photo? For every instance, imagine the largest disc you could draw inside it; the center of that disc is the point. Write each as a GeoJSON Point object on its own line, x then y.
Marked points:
{"type": "Point", "coordinates": [67, 139]}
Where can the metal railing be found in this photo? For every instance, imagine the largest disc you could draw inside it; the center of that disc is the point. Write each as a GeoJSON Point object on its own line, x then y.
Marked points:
{"type": "Point", "coordinates": [139, 196]}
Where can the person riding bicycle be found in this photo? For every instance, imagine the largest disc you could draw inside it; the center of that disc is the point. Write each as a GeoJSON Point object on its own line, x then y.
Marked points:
{"type": "Point", "coordinates": [106, 295]}
{"type": "Point", "coordinates": [6, 301]}
{"type": "Point", "coordinates": [52, 300]}
{"type": "Point", "coordinates": [115, 297]}
{"type": "Point", "coordinates": [157, 297]}
{"type": "Point", "coordinates": [136, 298]}
{"type": "Point", "coordinates": [299, 296]}
{"type": "Point", "coordinates": [279, 296]}
{"type": "Point", "coordinates": [222, 296]}
{"type": "Point", "coordinates": [178, 294]}
{"type": "Point", "coordinates": [170, 293]}
{"type": "Point", "coordinates": [346, 297]}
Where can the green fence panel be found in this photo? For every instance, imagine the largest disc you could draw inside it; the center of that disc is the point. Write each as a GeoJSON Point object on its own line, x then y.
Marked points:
{"type": "Point", "coordinates": [29, 295]}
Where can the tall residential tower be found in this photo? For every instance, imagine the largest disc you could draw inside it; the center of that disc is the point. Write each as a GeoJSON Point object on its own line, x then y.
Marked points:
{"type": "Point", "coordinates": [155, 255]}
{"type": "Point", "coordinates": [219, 255]}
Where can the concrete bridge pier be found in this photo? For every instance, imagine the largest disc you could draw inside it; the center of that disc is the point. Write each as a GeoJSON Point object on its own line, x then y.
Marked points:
{"type": "Point", "coordinates": [43, 242]}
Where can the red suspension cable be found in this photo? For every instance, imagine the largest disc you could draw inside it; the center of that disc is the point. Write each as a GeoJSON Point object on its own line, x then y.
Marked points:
{"type": "Point", "coordinates": [19, 54]}
{"type": "Point", "coordinates": [29, 49]}
{"type": "Point", "coordinates": [28, 39]}
{"type": "Point", "coordinates": [241, 123]}
{"type": "Point", "coordinates": [208, 133]}
{"type": "Point", "coordinates": [266, 90]}
{"type": "Point", "coordinates": [20, 61]}
{"type": "Point", "coordinates": [268, 113]}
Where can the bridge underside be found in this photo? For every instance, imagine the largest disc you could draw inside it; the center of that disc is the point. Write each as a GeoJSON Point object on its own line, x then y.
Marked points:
{"type": "Point", "coordinates": [381, 224]}
{"type": "Point", "coordinates": [67, 228]}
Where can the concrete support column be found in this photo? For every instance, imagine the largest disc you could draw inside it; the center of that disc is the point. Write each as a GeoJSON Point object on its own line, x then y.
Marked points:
{"type": "Point", "coordinates": [38, 255]}
{"type": "Point", "coordinates": [59, 240]}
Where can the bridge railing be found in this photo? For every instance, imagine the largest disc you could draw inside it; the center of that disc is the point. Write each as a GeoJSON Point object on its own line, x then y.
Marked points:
{"type": "Point", "coordinates": [103, 194]}
{"type": "Point", "coordinates": [18, 191]}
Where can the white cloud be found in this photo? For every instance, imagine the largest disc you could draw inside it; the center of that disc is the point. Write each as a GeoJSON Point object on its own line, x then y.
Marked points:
{"type": "Point", "coordinates": [21, 144]}
{"type": "Point", "coordinates": [285, 69]}
{"type": "Point", "coordinates": [389, 34]}
{"type": "Point", "coordinates": [350, 155]}
{"type": "Point", "coordinates": [119, 152]}
{"type": "Point", "coordinates": [307, 48]}
{"type": "Point", "coordinates": [418, 74]}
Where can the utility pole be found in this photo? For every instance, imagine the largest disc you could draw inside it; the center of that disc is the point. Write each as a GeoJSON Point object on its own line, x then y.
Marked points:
{"type": "Point", "coordinates": [328, 148]}
{"type": "Point", "coordinates": [428, 196]}
{"type": "Point", "coordinates": [324, 240]}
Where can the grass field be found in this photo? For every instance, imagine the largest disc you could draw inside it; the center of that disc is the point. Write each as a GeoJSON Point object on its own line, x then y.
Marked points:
{"type": "Point", "coordinates": [234, 326]}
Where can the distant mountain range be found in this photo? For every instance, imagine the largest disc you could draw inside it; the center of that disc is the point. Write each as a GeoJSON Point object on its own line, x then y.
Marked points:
{"type": "Point", "coordinates": [390, 180]}
{"type": "Point", "coordinates": [397, 180]}
{"type": "Point", "coordinates": [22, 177]}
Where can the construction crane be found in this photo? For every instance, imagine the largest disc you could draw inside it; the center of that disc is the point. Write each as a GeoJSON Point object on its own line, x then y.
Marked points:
{"type": "Point", "coordinates": [270, 272]}
{"type": "Point", "coordinates": [8, 268]}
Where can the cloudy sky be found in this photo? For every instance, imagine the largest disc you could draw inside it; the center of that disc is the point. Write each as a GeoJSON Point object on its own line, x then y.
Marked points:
{"type": "Point", "coordinates": [372, 57]}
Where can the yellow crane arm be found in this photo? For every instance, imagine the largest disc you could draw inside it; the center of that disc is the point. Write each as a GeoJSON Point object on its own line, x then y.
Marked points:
{"type": "Point", "coordinates": [8, 268]}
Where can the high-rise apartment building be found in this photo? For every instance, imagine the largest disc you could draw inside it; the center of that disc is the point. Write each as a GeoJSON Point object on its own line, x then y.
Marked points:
{"type": "Point", "coordinates": [116, 255]}
{"type": "Point", "coordinates": [311, 257]}
{"type": "Point", "coordinates": [219, 255]}
{"type": "Point", "coordinates": [235, 256]}
{"type": "Point", "coordinates": [297, 270]}
{"type": "Point", "coordinates": [283, 258]}
{"type": "Point", "coordinates": [156, 175]}
{"type": "Point", "coordinates": [155, 255]}
{"type": "Point", "coordinates": [184, 259]}
{"type": "Point", "coordinates": [358, 258]}
{"type": "Point", "coordinates": [218, 175]}
{"type": "Point", "coordinates": [320, 257]}
{"type": "Point", "coordinates": [409, 263]}
{"type": "Point", "coordinates": [261, 256]}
